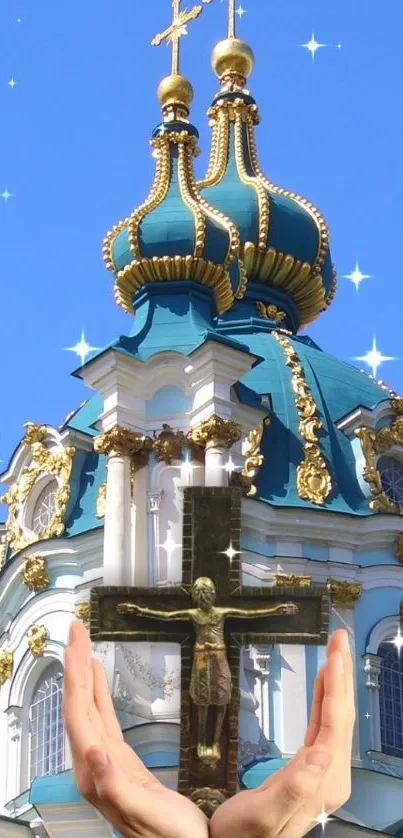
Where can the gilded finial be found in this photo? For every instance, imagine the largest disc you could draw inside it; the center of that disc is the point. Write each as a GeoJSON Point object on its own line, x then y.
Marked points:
{"type": "Point", "coordinates": [232, 60]}
{"type": "Point", "coordinates": [175, 93]}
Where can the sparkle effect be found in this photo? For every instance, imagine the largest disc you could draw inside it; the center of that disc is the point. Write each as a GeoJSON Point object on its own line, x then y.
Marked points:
{"type": "Point", "coordinates": [240, 11]}
{"type": "Point", "coordinates": [313, 46]}
{"type": "Point", "coordinates": [169, 545]}
{"type": "Point", "coordinates": [230, 466]}
{"type": "Point", "coordinates": [187, 470]}
{"type": "Point", "coordinates": [397, 641]}
{"type": "Point", "coordinates": [6, 195]}
{"type": "Point", "coordinates": [367, 715]}
{"type": "Point", "coordinates": [322, 819]}
{"type": "Point", "coordinates": [12, 83]}
{"type": "Point", "coordinates": [374, 358]}
{"type": "Point", "coordinates": [357, 277]}
{"type": "Point", "coordinates": [231, 553]}
{"type": "Point", "coordinates": [82, 348]}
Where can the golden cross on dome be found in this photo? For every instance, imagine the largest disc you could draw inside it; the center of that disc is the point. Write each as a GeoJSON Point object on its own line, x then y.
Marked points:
{"type": "Point", "coordinates": [173, 33]}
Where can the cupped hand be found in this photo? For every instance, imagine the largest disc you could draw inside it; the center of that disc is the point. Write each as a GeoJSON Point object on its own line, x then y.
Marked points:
{"type": "Point", "coordinates": [290, 801]}
{"type": "Point", "coordinates": [107, 772]}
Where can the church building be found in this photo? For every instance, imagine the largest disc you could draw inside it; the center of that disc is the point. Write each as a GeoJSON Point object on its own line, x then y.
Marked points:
{"type": "Point", "coordinates": [213, 385]}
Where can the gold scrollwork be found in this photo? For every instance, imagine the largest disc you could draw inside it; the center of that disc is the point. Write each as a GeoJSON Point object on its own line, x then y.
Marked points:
{"type": "Point", "coordinates": [215, 431]}
{"type": "Point", "coordinates": [270, 312]}
{"type": "Point", "coordinates": [292, 580]}
{"type": "Point", "coordinates": [343, 594]}
{"type": "Point", "coordinates": [83, 612]}
{"type": "Point", "coordinates": [34, 573]}
{"type": "Point", "coordinates": [37, 637]}
{"type": "Point", "coordinates": [123, 442]}
{"type": "Point", "coordinates": [375, 443]}
{"type": "Point", "coordinates": [168, 444]}
{"type": "Point", "coordinates": [313, 478]}
{"type": "Point", "coordinates": [101, 501]}
{"type": "Point", "coordinates": [253, 458]}
{"type": "Point", "coordinates": [6, 665]}
{"type": "Point", "coordinates": [57, 463]}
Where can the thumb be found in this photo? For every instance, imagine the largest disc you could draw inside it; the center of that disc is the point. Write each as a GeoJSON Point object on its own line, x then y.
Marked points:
{"type": "Point", "coordinates": [110, 782]}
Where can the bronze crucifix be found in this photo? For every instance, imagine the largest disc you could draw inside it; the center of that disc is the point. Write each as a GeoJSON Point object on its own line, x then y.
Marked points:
{"type": "Point", "coordinates": [211, 615]}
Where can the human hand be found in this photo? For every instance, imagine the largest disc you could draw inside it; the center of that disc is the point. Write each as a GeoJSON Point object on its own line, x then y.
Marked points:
{"type": "Point", "coordinates": [125, 792]}
{"type": "Point", "coordinates": [290, 800]}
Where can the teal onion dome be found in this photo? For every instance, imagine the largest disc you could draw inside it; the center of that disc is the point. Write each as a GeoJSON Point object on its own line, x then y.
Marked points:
{"type": "Point", "coordinates": [284, 238]}
{"type": "Point", "coordinates": [175, 234]}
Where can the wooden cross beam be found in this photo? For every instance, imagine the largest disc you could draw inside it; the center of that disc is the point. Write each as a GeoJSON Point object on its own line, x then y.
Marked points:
{"type": "Point", "coordinates": [211, 615]}
{"type": "Point", "coordinates": [173, 33]}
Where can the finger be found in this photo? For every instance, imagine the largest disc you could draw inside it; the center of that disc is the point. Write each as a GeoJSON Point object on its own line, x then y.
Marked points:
{"type": "Point", "coordinates": [76, 708]}
{"type": "Point", "coordinates": [334, 705]}
{"type": "Point", "coordinates": [80, 654]}
{"type": "Point", "coordinates": [294, 788]}
{"type": "Point", "coordinates": [316, 708]}
{"type": "Point", "coordinates": [104, 702]}
{"type": "Point", "coordinates": [123, 792]}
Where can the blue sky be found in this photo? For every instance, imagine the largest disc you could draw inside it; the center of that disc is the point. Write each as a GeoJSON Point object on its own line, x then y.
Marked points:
{"type": "Point", "coordinates": [74, 155]}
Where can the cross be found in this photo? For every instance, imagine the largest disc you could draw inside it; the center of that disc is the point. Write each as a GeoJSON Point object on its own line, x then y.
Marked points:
{"type": "Point", "coordinates": [208, 770]}
{"type": "Point", "coordinates": [173, 33]}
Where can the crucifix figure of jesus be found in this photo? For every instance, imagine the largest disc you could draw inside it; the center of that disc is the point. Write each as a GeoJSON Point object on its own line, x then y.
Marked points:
{"type": "Point", "coordinates": [173, 33]}
{"type": "Point", "coordinates": [210, 683]}
{"type": "Point", "coordinates": [211, 614]}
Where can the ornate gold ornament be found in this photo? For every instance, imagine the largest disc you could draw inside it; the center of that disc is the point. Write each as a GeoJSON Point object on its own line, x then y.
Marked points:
{"type": "Point", "coordinates": [101, 501]}
{"type": "Point", "coordinates": [313, 478]}
{"type": "Point", "coordinates": [168, 444]}
{"type": "Point", "coordinates": [215, 431]}
{"type": "Point", "coordinates": [6, 665]}
{"type": "Point", "coordinates": [83, 612]}
{"type": "Point", "coordinates": [253, 459]}
{"type": "Point", "coordinates": [302, 281]}
{"type": "Point", "coordinates": [343, 594]}
{"type": "Point", "coordinates": [123, 442]}
{"type": "Point", "coordinates": [399, 547]}
{"type": "Point", "coordinates": [375, 443]}
{"type": "Point", "coordinates": [37, 637]}
{"type": "Point", "coordinates": [34, 573]}
{"type": "Point", "coordinates": [3, 550]}
{"type": "Point", "coordinates": [270, 312]}
{"type": "Point", "coordinates": [207, 799]}
{"type": "Point", "coordinates": [57, 463]}
{"type": "Point", "coordinates": [292, 580]}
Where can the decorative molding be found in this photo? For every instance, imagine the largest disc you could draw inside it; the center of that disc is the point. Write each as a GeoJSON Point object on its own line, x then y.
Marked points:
{"type": "Point", "coordinates": [82, 611]}
{"type": "Point", "coordinates": [399, 548]}
{"type": "Point", "coordinates": [249, 751]}
{"type": "Point", "coordinates": [271, 312]}
{"type": "Point", "coordinates": [37, 637]}
{"type": "Point", "coordinates": [101, 501]}
{"type": "Point", "coordinates": [215, 431]}
{"type": "Point", "coordinates": [375, 443]}
{"type": "Point", "coordinates": [343, 594]}
{"type": "Point", "coordinates": [253, 458]}
{"type": "Point", "coordinates": [372, 669]}
{"type": "Point", "coordinates": [124, 442]}
{"type": "Point", "coordinates": [57, 464]}
{"type": "Point", "coordinates": [292, 580]}
{"type": "Point", "coordinates": [6, 665]}
{"type": "Point", "coordinates": [313, 478]}
{"type": "Point", "coordinates": [34, 573]}
{"type": "Point", "coordinates": [168, 444]}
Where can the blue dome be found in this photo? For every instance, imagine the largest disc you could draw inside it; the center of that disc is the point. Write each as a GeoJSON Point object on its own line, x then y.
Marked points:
{"type": "Point", "coordinates": [284, 238]}
{"type": "Point", "coordinates": [175, 234]}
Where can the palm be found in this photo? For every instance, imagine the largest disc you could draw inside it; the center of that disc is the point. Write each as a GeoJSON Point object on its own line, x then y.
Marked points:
{"type": "Point", "coordinates": [129, 796]}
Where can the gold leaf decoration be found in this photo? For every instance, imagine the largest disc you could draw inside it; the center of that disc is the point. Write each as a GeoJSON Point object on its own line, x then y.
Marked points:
{"type": "Point", "coordinates": [343, 594]}
{"type": "Point", "coordinates": [34, 573]}
{"type": "Point", "coordinates": [101, 501]}
{"type": "Point", "coordinates": [56, 463]}
{"type": "Point", "coordinates": [313, 478]}
{"type": "Point", "coordinates": [292, 580]}
{"type": "Point", "coordinates": [6, 665]}
{"type": "Point", "coordinates": [37, 636]}
{"type": "Point", "coordinates": [253, 458]}
{"type": "Point", "coordinates": [375, 443]}
{"type": "Point", "coordinates": [215, 431]}
{"type": "Point", "coordinates": [83, 612]}
{"type": "Point", "coordinates": [168, 444]}
{"type": "Point", "coordinates": [270, 312]}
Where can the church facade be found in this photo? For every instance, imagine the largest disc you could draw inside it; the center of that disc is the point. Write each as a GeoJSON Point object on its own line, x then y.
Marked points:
{"type": "Point", "coordinates": [214, 385]}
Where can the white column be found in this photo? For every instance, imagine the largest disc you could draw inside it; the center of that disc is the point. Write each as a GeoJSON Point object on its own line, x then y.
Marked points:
{"type": "Point", "coordinates": [294, 696]}
{"type": "Point", "coordinates": [117, 528]}
{"type": "Point", "coordinates": [13, 752]}
{"type": "Point", "coordinates": [372, 669]}
{"type": "Point", "coordinates": [153, 547]}
{"type": "Point", "coordinates": [216, 458]}
{"type": "Point", "coordinates": [263, 657]}
{"type": "Point", "coordinates": [139, 572]}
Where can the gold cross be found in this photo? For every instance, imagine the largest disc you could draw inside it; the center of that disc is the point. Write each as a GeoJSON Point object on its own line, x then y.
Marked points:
{"type": "Point", "coordinates": [173, 33]}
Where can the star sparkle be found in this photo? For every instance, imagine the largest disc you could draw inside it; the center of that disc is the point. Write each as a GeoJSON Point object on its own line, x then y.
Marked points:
{"type": "Point", "coordinates": [397, 641]}
{"type": "Point", "coordinates": [367, 715]}
{"type": "Point", "coordinates": [322, 819]}
{"type": "Point", "coordinates": [357, 276]}
{"type": "Point", "coordinates": [231, 552]}
{"type": "Point", "coordinates": [240, 11]}
{"type": "Point", "coordinates": [12, 83]}
{"type": "Point", "coordinates": [82, 348]}
{"type": "Point", "coordinates": [230, 466]}
{"type": "Point", "coordinates": [6, 195]}
{"type": "Point", "coordinates": [374, 358]}
{"type": "Point", "coordinates": [313, 46]}
{"type": "Point", "coordinates": [169, 544]}
{"type": "Point", "coordinates": [187, 470]}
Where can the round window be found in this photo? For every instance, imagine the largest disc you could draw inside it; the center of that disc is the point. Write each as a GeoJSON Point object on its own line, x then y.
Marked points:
{"type": "Point", "coordinates": [45, 508]}
{"type": "Point", "coordinates": [391, 471]}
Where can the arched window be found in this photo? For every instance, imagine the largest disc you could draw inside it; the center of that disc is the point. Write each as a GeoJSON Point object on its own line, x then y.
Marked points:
{"type": "Point", "coordinates": [391, 699]}
{"type": "Point", "coordinates": [46, 724]}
